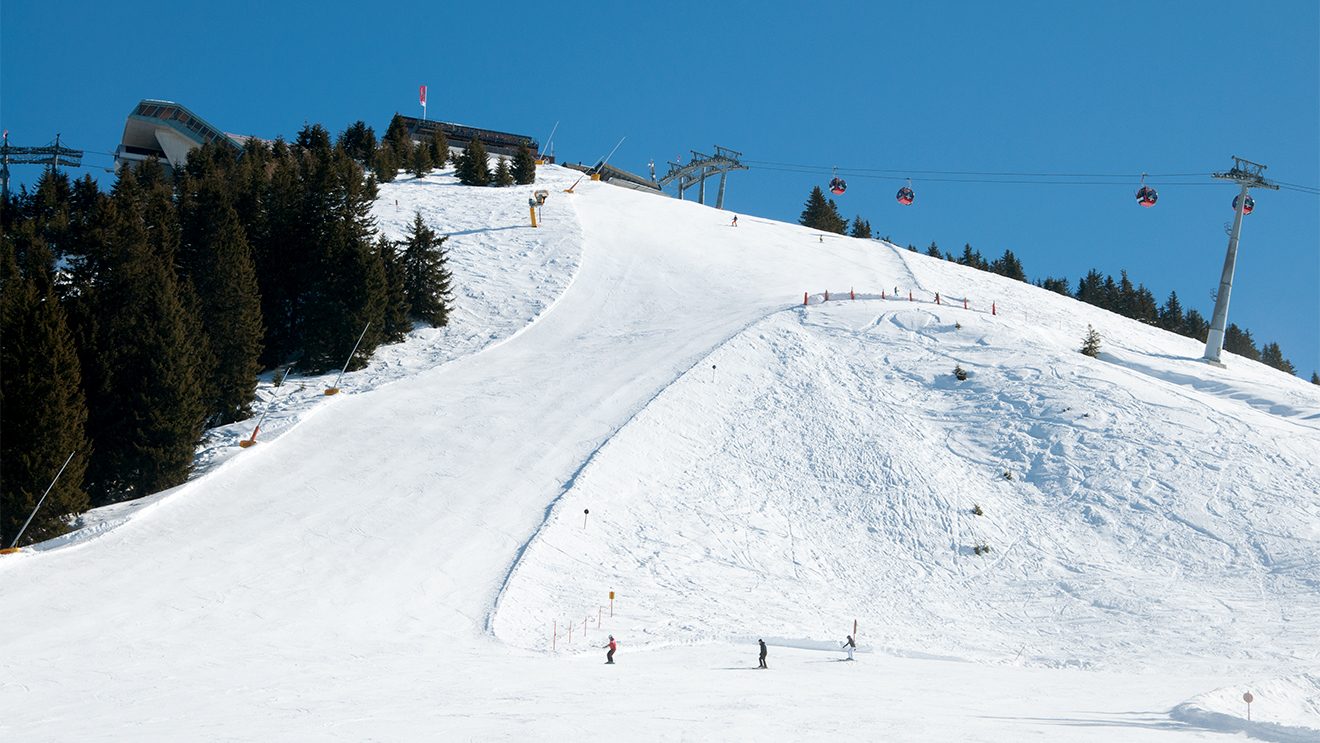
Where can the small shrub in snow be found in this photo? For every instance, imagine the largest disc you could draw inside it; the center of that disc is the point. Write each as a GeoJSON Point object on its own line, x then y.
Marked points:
{"type": "Point", "coordinates": [1008, 475]}
{"type": "Point", "coordinates": [981, 549]}
{"type": "Point", "coordinates": [960, 373]}
{"type": "Point", "coordinates": [957, 326]}
{"type": "Point", "coordinates": [976, 509]}
{"type": "Point", "coordinates": [1091, 342]}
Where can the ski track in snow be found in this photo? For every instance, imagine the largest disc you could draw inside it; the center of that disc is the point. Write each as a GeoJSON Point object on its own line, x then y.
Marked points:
{"type": "Point", "coordinates": [391, 566]}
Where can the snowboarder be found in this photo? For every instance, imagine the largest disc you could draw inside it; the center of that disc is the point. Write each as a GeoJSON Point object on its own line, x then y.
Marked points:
{"type": "Point", "coordinates": [763, 665]}
{"type": "Point", "coordinates": [735, 220]}
{"type": "Point", "coordinates": [849, 646]}
{"type": "Point", "coordinates": [609, 657]}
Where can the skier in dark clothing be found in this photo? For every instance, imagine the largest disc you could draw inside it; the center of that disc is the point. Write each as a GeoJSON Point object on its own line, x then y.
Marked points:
{"type": "Point", "coordinates": [609, 657]}
{"type": "Point", "coordinates": [763, 665]}
{"type": "Point", "coordinates": [850, 645]}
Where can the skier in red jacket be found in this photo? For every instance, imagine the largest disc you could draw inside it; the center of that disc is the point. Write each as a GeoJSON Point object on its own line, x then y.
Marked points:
{"type": "Point", "coordinates": [609, 657]}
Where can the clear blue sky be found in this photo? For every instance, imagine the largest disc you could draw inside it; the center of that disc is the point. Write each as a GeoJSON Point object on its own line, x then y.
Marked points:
{"type": "Point", "coordinates": [961, 86]}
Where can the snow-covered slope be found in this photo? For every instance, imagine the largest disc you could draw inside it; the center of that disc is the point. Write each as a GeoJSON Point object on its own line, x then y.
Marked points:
{"type": "Point", "coordinates": [392, 566]}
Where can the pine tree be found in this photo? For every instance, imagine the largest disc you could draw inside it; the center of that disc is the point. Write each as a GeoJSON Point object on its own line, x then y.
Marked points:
{"type": "Point", "coordinates": [1315, 377]}
{"type": "Point", "coordinates": [359, 141]}
{"type": "Point", "coordinates": [822, 214]}
{"type": "Point", "coordinates": [1240, 342]}
{"type": "Point", "coordinates": [283, 254]}
{"type": "Point", "coordinates": [1008, 265]}
{"type": "Point", "coordinates": [144, 396]}
{"type": "Point", "coordinates": [439, 148]}
{"type": "Point", "coordinates": [503, 174]}
{"type": "Point", "coordinates": [474, 169]}
{"type": "Point", "coordinates": [1195, 326]}
{"type": "Point", "coordinates": [420, 164]}
{"type": "Point", "coordinates": [1091, 342]}
{"type": "Point", "coordinates": [398, 140]}
{"type": "Point", "coordinates": [216, 258]}
{"type": "Point", "coordinates": [348, 287]}
{"type": "Point", "coordinates": [426, 278]}
{"type": "Point", "coordinates": [1143, 306]}
{"type": "Point", "coordinates": [1091, 288]}
{"type": "Point", "coordinates": [524, 167]}
{"type": "Point", "coordinates": [385, 165]}
{"type": "Point", "coordinates": [934, 250]}
{"type": "Point", "coordinates": [1059, 285]}
{"type": "Point", "coordinates": [1125, 299]}
{"type": "Point", "coordinates": [1271, 354]}
{"type": "Point", "coordinates": [973, 258]}
{"type": "Point", "coordinates": [45, 410]}
{"type": "Point", "coordinates": [397, 309]}
{"type": "Point", "coordinates": [861, 228]}
{"type": "Point", "coordinates": [1171, 314]}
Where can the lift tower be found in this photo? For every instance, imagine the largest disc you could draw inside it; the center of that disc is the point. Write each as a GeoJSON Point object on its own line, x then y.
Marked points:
{"type": "Point", "coordinates": [52, 156]}
{"type": "Point", "coordinates": [1248, 175]}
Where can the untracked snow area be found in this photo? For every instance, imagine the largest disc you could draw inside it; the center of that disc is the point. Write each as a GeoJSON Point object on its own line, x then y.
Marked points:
{"type": "Point", "coordinates": [392, 567]}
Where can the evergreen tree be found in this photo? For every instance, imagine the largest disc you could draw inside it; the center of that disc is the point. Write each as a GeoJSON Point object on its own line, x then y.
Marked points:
{"type": "Point", "coordinates": [1008, 265]}
{"type": "Point", "coordinates": [144, 397]}
{"type": "Point", "coordinates": [385, 165]}
{"type": "Point", "coordinates": [1091, 288]}
{"type": "Point", "coordinates": [822, 214]}
{"type": "Point", "coordinates": [973, 258]}
{"type": "Point", "coordinates": [524, 167]}
{"type": "Point", "coordinates": [861, 228]}
{"type": "Point", "coordinates": [1091, 342]}
{"type": "Point", "coordinates": [348, 286]}
{"type": "Point", "coordinates": [397, 309]}
{"type": "Point", "coordinates": [503, 174]}
{"type": "Point", "coordinates": [1271, 354]}
{"type": "Point", "coordinates": [474, 167]}
{"type": "Point", "coordinates": [1125, 297]}
{"type": "Point", "coordinates": [1195, 326]}
{"type": "Point", "coordinates": [1240, 342]}
{"type": "Point", "coordinates": [1144, 307]}
{"type": "Point", "coordinates": [359, 141]}
{"type": "Point", "coordinates": [439, 148]}
{"type": "Point", "coordinates": [216, 258]}
{"type": "Point", "coordinates": [398, 140]}
{"type": "Point", "coordinates": [420, 164]}
{"type": "Point", "coordinates": [933, 251]}
{"type": "Point", "coordinates": [1315, 378]}
{"type": "Point", "coordinates": [426, 278]}
{"type": "Point", "coordinates": [283, 253]}
{"type": "Point", "coordinates": [45, 410]}
{"type": "Point", "coordinates": [1171, 314]}
{"type": "Point", "coordinates": [1059, 285]}
{"type": "Point", "coordinates": [1109, 294]}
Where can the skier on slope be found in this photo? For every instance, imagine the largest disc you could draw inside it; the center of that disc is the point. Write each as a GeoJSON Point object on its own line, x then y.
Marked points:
{"type": "Point", "coordinates": [763, 665]}
{"type": "Point", "coordinates": [735, 220]}
{"type": "Point", "coordinates": [609, 657]}
{"type": "Point", "coordinates": [849, 645]}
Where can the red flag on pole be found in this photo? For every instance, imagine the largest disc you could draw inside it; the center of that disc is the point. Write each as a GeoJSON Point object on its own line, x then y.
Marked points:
{"type": "Point", "coordinates": [423, 95]}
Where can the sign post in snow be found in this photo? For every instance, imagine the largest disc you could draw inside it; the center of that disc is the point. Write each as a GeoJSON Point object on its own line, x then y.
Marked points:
{"type": "Point", "coordinates": [1248, 699]}
{"type": "Point", "coordinates": [611, 603]}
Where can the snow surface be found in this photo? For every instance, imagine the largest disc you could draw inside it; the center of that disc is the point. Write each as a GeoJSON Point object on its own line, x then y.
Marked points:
{"type": "Point", "coordinates": [392, 566]}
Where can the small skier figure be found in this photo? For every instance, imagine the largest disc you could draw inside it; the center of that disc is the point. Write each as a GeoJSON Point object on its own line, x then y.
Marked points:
{"type": "Point", "coordinates": [735, 220]}
{"type": "Point", "coordinates": [763, 665]}
{"type": "Point", "coordinates": [849, 646]}
{"type": "Point", "coordinates": [609, 657]}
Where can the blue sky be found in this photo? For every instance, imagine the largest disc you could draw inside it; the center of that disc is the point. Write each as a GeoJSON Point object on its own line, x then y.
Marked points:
{"type": "Point", "coordinates": [1103, 88]}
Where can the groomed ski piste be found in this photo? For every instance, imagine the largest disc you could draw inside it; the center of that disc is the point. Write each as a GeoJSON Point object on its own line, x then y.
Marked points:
{"type": "Point", "coordinates": [402, 561]}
